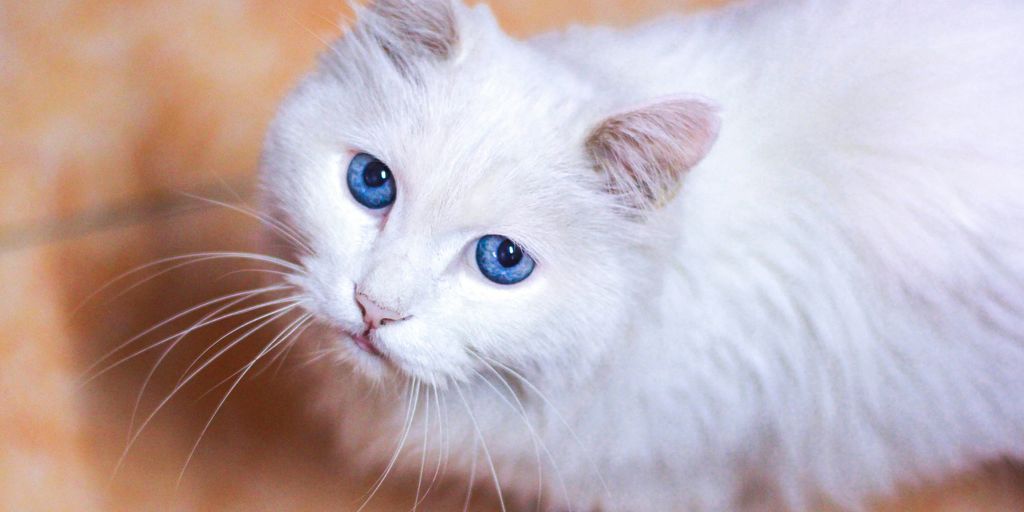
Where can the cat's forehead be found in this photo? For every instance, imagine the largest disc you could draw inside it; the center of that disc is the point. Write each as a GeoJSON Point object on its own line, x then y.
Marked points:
{"type": "Point", "coordinates": [447, 183]}
{"type": "Point", "coordinates": [473, 150]}
{"type": "Point", "coordinates": [479, 115]}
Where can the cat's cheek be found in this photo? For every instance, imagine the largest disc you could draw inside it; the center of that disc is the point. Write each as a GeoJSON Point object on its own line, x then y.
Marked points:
{"type": "Point", "coordinates": [327, 293]}
{"type": "Point", "coordinates": [430, 354]}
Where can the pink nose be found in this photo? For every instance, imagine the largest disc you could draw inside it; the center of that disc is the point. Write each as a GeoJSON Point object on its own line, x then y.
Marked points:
{"type": "Point", "coordinates": [375, 315]}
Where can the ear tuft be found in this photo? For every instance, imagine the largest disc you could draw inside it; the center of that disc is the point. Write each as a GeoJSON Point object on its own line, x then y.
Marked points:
{"type": "Point", "coordinates": [644, 152]}
{"type": "Point", "coordinates": [415, 28]}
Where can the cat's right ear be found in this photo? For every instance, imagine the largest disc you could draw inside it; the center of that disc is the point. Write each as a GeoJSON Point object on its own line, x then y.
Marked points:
{"type": "Point", "coordinates": [644, 153]}
{"type": "Point", "coordinates": [413, 29]}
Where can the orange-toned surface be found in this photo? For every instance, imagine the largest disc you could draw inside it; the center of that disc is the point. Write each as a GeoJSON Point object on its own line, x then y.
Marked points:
{"type": "Point", "coordinates": [107, 110]}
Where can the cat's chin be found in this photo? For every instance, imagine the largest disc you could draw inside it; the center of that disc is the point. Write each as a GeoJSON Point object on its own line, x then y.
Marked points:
{"type": "Point", "coordinates": [371, 358]}
{"type": "Point", "coordinates": [363, 354]}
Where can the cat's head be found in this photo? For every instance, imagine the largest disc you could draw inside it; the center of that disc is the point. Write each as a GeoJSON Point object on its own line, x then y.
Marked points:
{"type": "Point", "coordinates": [467, 198]}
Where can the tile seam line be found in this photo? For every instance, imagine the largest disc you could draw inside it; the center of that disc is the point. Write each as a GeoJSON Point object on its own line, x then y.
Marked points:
{"type": "Point", "coordinates": [155, 205]}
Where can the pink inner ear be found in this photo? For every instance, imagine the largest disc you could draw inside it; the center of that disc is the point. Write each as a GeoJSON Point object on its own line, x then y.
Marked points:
{"type": "Point", "coordinates": [645, 151]}
{"type": "Point", "coordinates": [419, 25]}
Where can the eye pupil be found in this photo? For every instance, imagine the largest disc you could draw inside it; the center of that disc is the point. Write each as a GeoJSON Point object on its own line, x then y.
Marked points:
{"type": "Point", "coordinates": [509, 254]}
{"type": "Point", "coordinates": [376, 174]}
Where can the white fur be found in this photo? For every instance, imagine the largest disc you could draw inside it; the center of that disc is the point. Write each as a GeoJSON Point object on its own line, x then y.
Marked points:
{"type": "Point", "coordinates": [832, 306]}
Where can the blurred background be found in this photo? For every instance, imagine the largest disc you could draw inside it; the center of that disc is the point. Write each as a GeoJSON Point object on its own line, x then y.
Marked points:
{"type": "Point", "coordinates": [112, 115]}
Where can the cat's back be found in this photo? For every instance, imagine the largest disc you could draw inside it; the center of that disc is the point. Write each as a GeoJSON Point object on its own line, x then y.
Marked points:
{"type": "Point", "coordinates": [864, 200]}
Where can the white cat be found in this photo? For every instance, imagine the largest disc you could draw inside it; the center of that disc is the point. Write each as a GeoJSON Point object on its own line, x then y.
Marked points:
{"type": "Point", "coordinates": [765, 257]}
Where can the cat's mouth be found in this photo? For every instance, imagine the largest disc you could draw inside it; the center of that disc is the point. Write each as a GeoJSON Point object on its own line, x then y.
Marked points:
{"type": "Point", "coordinates": [366, 344]}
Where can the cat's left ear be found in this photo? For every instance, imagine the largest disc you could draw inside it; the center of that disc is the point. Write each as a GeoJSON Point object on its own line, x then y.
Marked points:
{"type": "Point", "coordinates": [644, 152]}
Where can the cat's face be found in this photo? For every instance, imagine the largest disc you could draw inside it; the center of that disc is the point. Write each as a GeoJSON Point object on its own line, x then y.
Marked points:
{"type": "Point", "coordinates": [445, 181]}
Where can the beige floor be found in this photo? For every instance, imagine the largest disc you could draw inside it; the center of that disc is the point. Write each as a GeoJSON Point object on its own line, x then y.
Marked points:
{"type": "Point", "coordinates": [108, 111]}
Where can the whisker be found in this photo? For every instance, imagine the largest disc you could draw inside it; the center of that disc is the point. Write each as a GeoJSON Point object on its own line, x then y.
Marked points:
{"type": "Point", "coordinates": [448, 439]}
{"type": "Point", "coordinates": [538, 443]}
{"type": "Point", "coordinates": [270, 346]}
{"type": "Point", "coordinates": [192, 258]}
{"type": "Point", "coordinates": [282, 355]}
{"type": "Point", "coordinates": [287, 332]}
{"type": "Point", "coordinates": [348, 21]}
{"type": "Point", "coordinates": [272, 317]}
{"type": "Point", "coordinates": [487, 453]}
{"type": "Point", "coordinates": [414, 388]}
{"type": "Point", "coordinates": [558, 416]}
{"type": "Point", "coordinates": [323, 41]}
{"type": "Point", "coordinates": [227, 186]}
{"type": "Point", "coordinates": [286, 275]}
{"type": "Point", "coordinates": [472, 475]}
{"type": "Point", "coordinates": [181, 336]}
{"type": "Point", "coordinates": [295, 301]}
{"type": "Point", "coordinates": [441, 436]}
{"type": "Point", "coordinates": [423, 452]}
{"type": "Point", "coordinates": [274, 224]}
{"type": "Point", "coordinates": [89, 378]}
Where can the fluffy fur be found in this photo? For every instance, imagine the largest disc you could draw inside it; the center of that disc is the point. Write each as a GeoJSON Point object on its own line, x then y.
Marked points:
{"type": "Point", "coordinates": [831, 306]}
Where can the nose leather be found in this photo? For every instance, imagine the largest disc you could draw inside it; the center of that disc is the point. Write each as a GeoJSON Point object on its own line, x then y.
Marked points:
{"type": "Point", "coordinates": [375, 315]}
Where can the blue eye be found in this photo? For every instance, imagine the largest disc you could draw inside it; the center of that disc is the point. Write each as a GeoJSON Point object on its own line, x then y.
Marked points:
{"type": "Point", "coordinates": [501, 260]}
{"type": "Point", "coordinates": [370, 182]}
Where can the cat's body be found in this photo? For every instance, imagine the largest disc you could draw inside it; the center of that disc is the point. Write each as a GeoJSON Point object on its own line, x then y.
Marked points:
{"type": "Point", "coordinates": [831, 306]}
